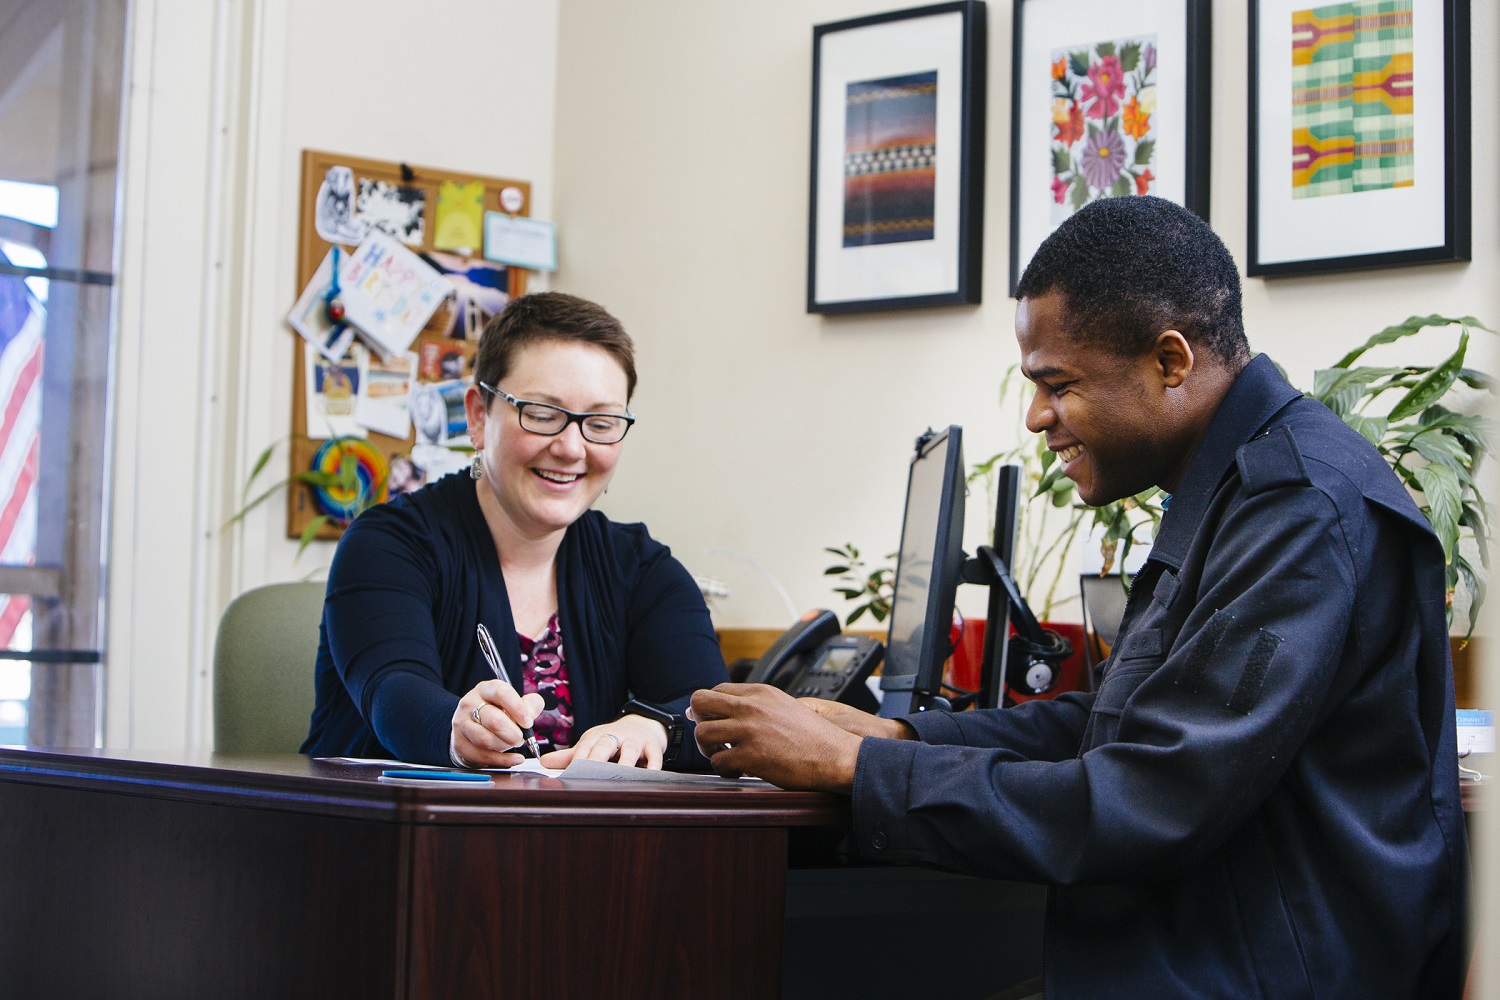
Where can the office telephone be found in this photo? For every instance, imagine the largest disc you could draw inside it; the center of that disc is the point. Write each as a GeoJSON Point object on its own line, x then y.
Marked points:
{"type": "Point", "coordinates": [813, 659]}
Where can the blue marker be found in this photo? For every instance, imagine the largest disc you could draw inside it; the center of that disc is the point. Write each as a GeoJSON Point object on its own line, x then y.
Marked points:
{"type": "Point", "coordinates": [436, 775]}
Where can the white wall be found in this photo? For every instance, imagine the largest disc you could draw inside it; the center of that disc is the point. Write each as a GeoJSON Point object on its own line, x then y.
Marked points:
{"type": "Point", "coordinates": [682, 146]}
{"type": "Point", "coordinates": [224, 97]}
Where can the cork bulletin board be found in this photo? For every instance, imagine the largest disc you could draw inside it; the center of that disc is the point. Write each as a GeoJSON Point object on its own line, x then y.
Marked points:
{"type": "Point", "coordinates": [343, 197]}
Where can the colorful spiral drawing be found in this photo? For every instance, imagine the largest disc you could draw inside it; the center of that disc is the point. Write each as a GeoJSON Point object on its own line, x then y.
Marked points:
{"type": "Point", "coordinates": [371, 469]}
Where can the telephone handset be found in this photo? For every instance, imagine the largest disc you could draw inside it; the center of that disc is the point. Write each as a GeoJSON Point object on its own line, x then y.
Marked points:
{"type": "Point", "coordinates": [812, 659]}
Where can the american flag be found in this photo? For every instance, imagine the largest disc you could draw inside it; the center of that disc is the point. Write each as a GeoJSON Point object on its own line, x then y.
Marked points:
{"type": "Point", "coordinates": [21, 321]}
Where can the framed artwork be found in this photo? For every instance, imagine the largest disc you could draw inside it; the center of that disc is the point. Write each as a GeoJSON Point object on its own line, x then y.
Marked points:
{"type": "Point", "coordinates": [1359, 134]}
{"type": "Point", "coordinates": [1109, 99]}
{"type": "Point", "coordinates": [897, 194]}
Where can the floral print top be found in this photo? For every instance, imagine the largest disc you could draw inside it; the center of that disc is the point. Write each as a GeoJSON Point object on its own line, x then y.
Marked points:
{"type": "Point", "coordinates": [544, 670]}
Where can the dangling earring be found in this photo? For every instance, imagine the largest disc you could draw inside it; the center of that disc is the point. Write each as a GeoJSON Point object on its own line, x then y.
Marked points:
{"type": "Point", "coordinates": [476, 471]}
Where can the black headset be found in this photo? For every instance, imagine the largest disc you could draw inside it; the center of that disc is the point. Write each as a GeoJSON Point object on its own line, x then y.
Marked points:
{"type": "Point", "coordinates": [1032, 666]}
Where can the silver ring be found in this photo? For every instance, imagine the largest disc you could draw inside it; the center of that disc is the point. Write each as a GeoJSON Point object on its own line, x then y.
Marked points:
{"type": "Point", "coordinates": [611, 736]}
{"type": "Point", "coordinates": [475, 714]}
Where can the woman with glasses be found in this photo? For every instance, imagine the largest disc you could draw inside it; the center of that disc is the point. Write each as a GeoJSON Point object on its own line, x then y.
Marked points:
{"type": "Point", "coordinates": [601, 634]}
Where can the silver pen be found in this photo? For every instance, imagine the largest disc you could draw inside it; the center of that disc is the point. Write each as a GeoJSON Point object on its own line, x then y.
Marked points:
{"type": "Point", "coordinates": [487, 647]}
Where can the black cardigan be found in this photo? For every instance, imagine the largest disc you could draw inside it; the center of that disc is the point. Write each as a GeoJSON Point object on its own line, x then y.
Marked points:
{"type": "Point", "coordinates": [412, 577]}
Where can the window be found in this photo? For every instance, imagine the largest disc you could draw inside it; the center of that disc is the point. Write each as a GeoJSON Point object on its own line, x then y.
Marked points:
{"type": "Point", "coordinates": [61, 71]}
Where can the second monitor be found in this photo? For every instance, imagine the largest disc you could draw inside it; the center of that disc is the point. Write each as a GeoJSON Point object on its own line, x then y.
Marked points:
{"type": "Point", "coordinates": [928, 569]}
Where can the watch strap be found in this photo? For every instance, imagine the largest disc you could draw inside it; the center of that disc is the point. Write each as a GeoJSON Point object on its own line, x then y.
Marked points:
{"type": "Point", "coordinates": [675, 725]}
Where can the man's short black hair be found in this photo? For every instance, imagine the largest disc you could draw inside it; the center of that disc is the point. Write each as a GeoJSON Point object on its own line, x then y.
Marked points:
{"type": "Point", "coordinates": [1129, 268]}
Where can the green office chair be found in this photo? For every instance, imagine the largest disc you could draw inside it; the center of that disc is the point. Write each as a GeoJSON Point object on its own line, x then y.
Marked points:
{"type": "Point", "coordinates": [263, 668]}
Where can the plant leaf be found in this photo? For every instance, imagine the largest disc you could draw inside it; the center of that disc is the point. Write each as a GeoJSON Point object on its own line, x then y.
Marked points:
{"type": "Point", "coordinates": [1444, 449]}
{"type": "Point", "coordinates": [1412, 325]}
{"type": "Point", "coordinates": [1475, 379]}
{"type": "Point", "coordinates": [260, 463]}
{"type": "Point", "coordinates": [1078, 62]}
{"type": "Point", "coordinates": [1434, 386]}
{"type": "Point", "coordinates": [836, 571]}
{"type": "Point", "coordinates": [1328, 382]}
{"type": "Point", "coordinates": [1444, 496]}
{"type": "Point", "coordinates": [1144, 150]}
{"type": "Point", "coordinates": [309, 533]}
{"type": "Point", "coordinates": [1476, 429]}
{"type": "Point", "coordinates": [1372, 429]}
{"type": "Point", "coordinates": [1475, 586]}
{"type": "Point", "coordinates": [247, 508]}
{"type": "Point", "coordinates": [1130, 56]}
{"type": "Point", "coordinates": [1061, 163]}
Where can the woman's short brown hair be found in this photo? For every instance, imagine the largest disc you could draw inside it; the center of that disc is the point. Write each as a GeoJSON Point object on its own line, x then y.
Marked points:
{"type": "Point", "coordinates": [544, 316]}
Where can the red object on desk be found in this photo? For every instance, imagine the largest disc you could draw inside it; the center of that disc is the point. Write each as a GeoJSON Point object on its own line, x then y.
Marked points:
{"type": "Point", "coordinates": [966, 668]}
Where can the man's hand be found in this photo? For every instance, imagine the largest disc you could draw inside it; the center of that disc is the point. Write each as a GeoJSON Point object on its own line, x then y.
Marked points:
{"type": "Point", "coordinates": [852, 720]}
{"type": "Point", "coordinates": [760, 730]}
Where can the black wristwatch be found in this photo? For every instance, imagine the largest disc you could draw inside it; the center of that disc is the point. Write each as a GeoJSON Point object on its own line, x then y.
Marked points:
{"type": "Point", "coordinates": [675, 725]}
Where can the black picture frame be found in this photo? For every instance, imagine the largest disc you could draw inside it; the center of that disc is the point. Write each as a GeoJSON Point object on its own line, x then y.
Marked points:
{"type": "Point", "coordinates": [870, 246]}
{"type": "Point", "coordinates": [1384, 224]}
{"type": "Point", "coordinates": [1180, 33]}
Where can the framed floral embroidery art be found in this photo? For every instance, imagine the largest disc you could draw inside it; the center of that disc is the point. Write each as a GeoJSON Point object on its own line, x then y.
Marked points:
{"type": "Point", "coordinates": [1110, 99]}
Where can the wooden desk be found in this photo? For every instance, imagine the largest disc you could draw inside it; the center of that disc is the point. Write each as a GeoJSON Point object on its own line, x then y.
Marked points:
{"type": "Point", "coordinates": [152, 875]}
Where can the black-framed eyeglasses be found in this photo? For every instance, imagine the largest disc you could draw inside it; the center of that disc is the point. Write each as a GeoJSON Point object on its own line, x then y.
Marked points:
{"type": "Point", "coordinates": [550, 421]}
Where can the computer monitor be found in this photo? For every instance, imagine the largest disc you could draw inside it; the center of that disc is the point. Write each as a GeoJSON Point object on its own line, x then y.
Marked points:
{"type": "Point", "coordinates": [991, 692]}
{"type": "Point", "coordinates": [928, 569]}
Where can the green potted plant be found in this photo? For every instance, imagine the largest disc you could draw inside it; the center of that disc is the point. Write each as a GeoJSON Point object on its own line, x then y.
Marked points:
{"type": "Point", "coordinates": [1434, 449]}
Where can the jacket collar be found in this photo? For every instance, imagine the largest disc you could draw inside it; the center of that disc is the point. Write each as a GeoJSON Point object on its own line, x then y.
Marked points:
{"type": "Point", "coordinates": [1257, 394]}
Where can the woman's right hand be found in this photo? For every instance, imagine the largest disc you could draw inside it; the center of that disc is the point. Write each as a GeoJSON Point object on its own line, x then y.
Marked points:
{"type": "Point", "coordinates": [487, 724]}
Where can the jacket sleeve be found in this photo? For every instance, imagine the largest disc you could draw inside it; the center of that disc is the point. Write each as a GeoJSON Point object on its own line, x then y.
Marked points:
{"type": "Point", "coordinates": [671, 649]}
{"type": "Point", "coordinates": [1035, 730]}
{"type": "Point", "coordinates": [1196, 735]}
{"type": "Point", "coordinates": [381, 635]}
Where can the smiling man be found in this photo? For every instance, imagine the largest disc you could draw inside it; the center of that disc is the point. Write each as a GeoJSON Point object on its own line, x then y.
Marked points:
{"type": "Point", "coordinates": [1260, 799]}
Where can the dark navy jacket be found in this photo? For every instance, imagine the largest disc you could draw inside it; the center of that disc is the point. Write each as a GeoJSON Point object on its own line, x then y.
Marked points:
{"type": "Point", "coordinates": [412, 577]}
{"type": "Point", "coordinates": [1261, 799]}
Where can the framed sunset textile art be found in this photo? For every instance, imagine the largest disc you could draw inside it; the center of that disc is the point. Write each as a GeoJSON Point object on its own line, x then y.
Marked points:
{"type": "Point", "coordinates": [897, 191]}
{"type": "Point", "coordinates": [1359, 134]}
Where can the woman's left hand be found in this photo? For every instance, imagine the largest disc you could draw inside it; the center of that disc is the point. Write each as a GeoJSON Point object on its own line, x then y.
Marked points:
{"type": "Point", "coordinates": [631, 739]}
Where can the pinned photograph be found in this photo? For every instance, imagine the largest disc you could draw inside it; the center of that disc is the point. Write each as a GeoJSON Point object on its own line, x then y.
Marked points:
{"type": "Point", "coordinates": [445, 359]}
{"type": "Point", "coordinates": [396, 209]}
{"type": "Point", "coordinates": [480, 290]}
{"type": "Point", "coordinates": [437, 412]}
{"type": "Point", "coordinates": [381, 403]}
{"type": "Point", "coordinates": [333, 215]}
{"type": "Point", "coordinates": [332, 387]}
{"type": "Point", "coordinates": [406, 476]}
